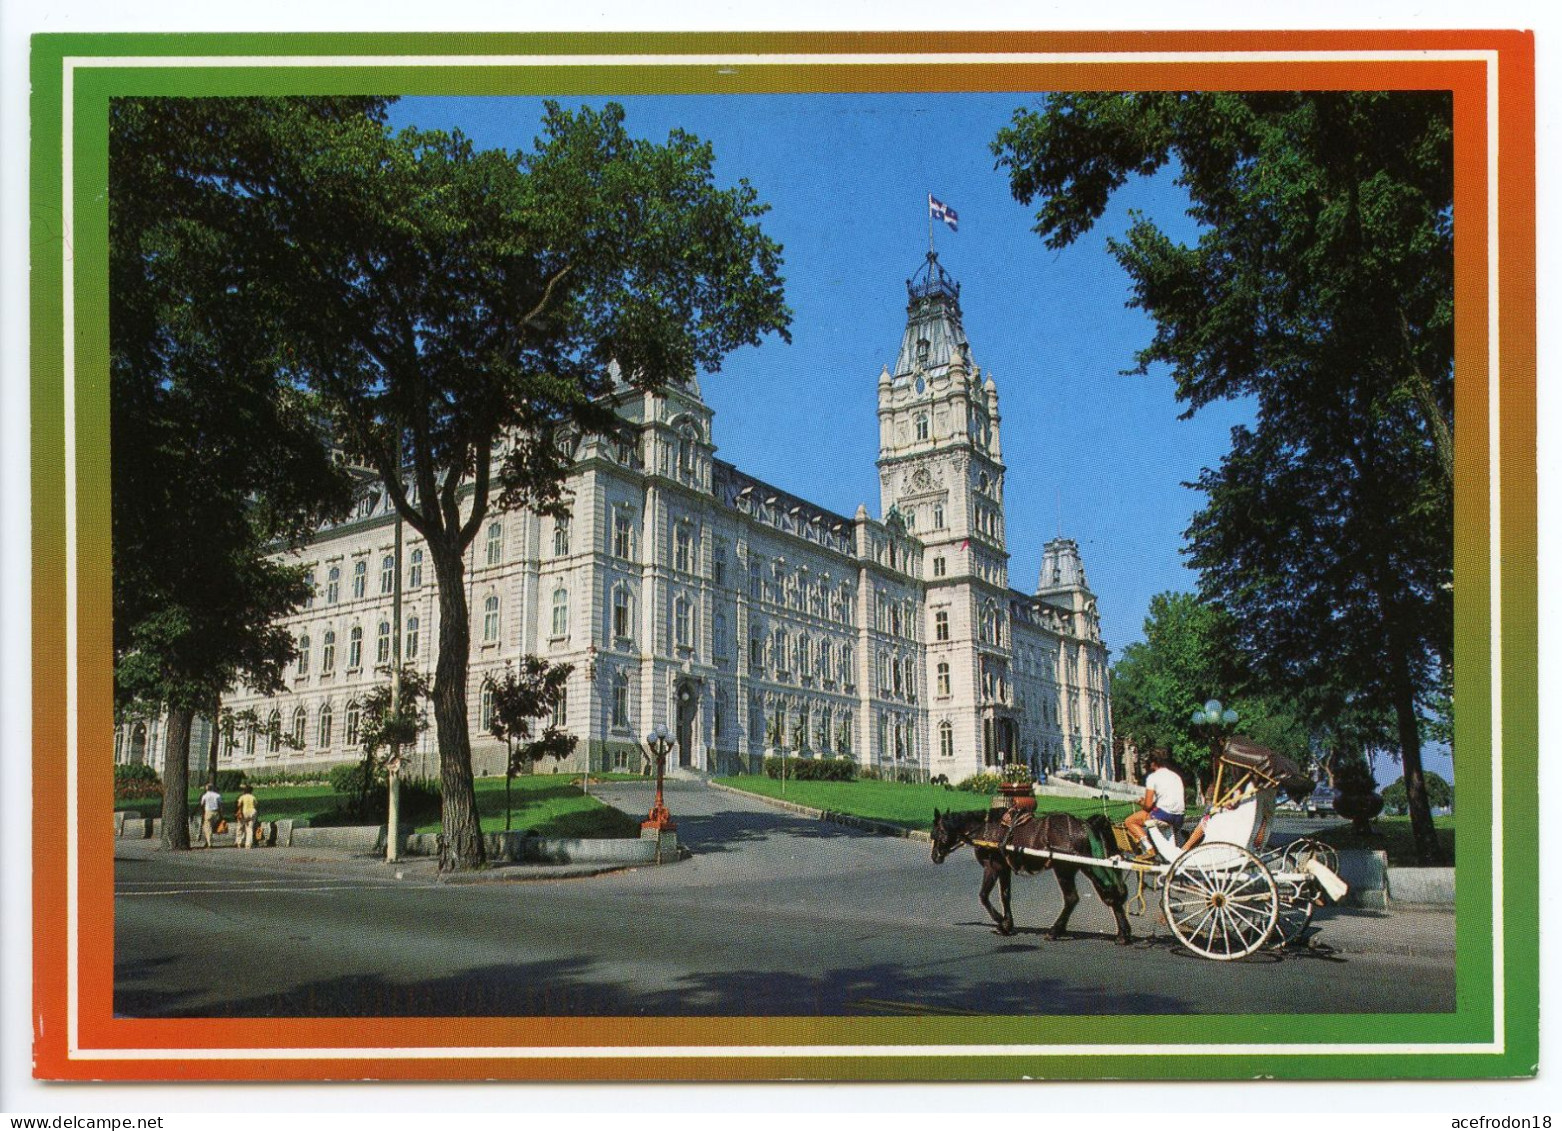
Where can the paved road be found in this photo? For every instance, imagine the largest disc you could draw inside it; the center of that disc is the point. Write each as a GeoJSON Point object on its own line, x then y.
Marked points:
{"type": "Point", "coordinates": [772, 915]}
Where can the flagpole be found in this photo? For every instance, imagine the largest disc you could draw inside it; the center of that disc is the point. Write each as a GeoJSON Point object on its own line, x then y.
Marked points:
{"type": "Point", "coordinates": [930, 252]}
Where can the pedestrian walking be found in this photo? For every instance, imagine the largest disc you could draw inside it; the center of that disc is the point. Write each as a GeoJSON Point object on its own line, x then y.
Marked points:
{"type": "Point", "coordinates": [245, 809]}
{"type": "Point", "coordinates": [211, 812]}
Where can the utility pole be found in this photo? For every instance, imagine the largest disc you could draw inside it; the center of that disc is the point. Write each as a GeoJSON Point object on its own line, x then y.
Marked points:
{"type": "Point", "coordinates": [393, 806]}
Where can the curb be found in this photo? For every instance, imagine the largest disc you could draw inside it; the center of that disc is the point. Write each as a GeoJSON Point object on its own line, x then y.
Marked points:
{"type": "Point", "coordinates": [849, 820]}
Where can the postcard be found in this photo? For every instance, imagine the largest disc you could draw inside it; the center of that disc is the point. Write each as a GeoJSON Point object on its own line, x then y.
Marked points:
{"type": "Point", "coordinates": [752, 557]}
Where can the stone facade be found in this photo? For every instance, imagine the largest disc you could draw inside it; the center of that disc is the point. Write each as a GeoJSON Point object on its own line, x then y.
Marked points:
{"type": "Point", "coordinates": [746, 619]}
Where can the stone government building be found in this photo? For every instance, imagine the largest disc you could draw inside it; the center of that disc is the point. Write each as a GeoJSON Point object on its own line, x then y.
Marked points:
{"type": "Point", "coordinates": [687, 592]}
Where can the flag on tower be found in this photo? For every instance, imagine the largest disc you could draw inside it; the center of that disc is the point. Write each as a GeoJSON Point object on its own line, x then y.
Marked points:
{"type": "Point", "coordinates": [938, 210]}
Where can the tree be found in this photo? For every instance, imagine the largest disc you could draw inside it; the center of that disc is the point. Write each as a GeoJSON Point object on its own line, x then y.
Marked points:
{"type": "Point", "coordinates": [1438, 791]}
{"type": "Point", "coordinates": [1321, 286]}
{"type": "Point", "coordinates": [382, 730]}
{"type": "Point", "coordinates": [472, 309]}
{"type": "Point", "coordinates": [520, 699]}
{"type": "Point", "coordinates": [1187, 656]}
{"type": "Point", "coordinates": [218, 459]}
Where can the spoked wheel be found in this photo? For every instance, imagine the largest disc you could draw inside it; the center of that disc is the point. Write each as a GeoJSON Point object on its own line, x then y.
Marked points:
{"type": "Point", "coordinates": [1298, 852]}
{"type": "Point", "coordinates": [1298, 898]}
{"type": "Point", "coordinates": [1220, 901]}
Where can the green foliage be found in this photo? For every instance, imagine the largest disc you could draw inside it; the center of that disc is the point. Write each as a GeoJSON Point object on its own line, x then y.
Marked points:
{"type": "Point", "coordinates": [1438, 792]}
{"type": "Point", "coordinates": [1321, 285]}
{"type": "Point", "coordinates": [380, 730]}
{"type": "Point", "coordinates": [1187, 654]}
{"type": "Point", "coordinates": [136, 783]}
{"type": "Point", "coordinates": [811, 769]}
{"type": "Point", "coordinates": [986, 783]}
{"type": "Point", "coordinates": [354, 780]}
{"type": "Point", "coordinates": [521, 698]}
{"type": "Point", "coordinates": [230, 781]}
{"type": "Point", "coordinates": [1017, 773]}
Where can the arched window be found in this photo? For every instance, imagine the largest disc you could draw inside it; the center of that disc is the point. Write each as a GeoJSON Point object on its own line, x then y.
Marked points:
{"type": "Point", "coordinates": [561, 536]}
{"type": "Point", "coordinates": [687, 436]}
{"type": "Point", "coordinates": [355, 648]}
{"type": "Point", "coordinates": [719, 636]}
{"type": "Point", "coordinates": [138, 745]}
{"type": "Point", "coordinates": [755, 578]}
{"type": "Point", "coordinates": [274, 732]}
{"type": "Point", "coordinates": [822, 659]}
{"type": "Point", "coordinates": [251, 736]}
{"type": "Point", "coordinates": [360, 579]}
{"type": "Point", "coordinates": [410, 647]}
{"type": "Point", "coordinates": [938, 516]}
{"type": "Point", "coordinates": [848, 665]}
{"type": "Point", "coordinates": [495, 542]}
{"type": "Point", "coordinates": [560, 716]}
{"type": "Point", "coordinates": [623, 534]}
{"type": "Point", "coordinates": [323, 727]}
{"type": "Point", "coordinates": [946, 740]}
{"type": "Point", "coordinates": [309, 580]}
{"type": "Point", "coordinates": [681, 544]}
{"type": "Point", "coordinates": [623, 613]}
{"type": "Point", "coordinates": [778, 656]}
{"type": "Point", "coordinates": [382, 644]}
{"type": "Point", "coordinates": [620, 699]}
{"type": "Point", "coordinates": [805, 656]}
{"type": "Point", "coordinates": [485, 707]}
{"type": "Point", "coordinates": [491, 619]}
{"type": "Point", "coordinates": [843, 734]}
{"type": "Point", "coordinates": [328, 652]}
{"type": "Point", "coordinates": [415, 571]}
{"type": "Point", "coordinates": [560, 611]}
{"type": "Point", "coordinates": [387, 575]}
{"type": "Point", "coordinates": [300, 721]}
{"type": "Point", "coordinates": [943, 679]}
{"type": "Point", "coordinates": [333, 585]}
{"type": "Point", "coordinates": [354, 718]}
{"type": "Point", "coordinates": [303, 654]}
{"type": "Point", "coordinates": [922, 426]}
{"type": "Point", "coordinates": [683, 626]}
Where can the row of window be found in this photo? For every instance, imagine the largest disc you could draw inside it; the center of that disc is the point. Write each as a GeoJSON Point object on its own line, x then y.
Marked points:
{"type": "Point", "coordinates": [783, 654]}
{"type": "Point", "coordinates": [801, 725]}
{"type": "Point", "coordinates": [382, 647]}
{"type": "Point", "coordinates": [360, 579]}
{"type": "Point", "coordinates": [795, 589]}
{"type": "Point", "coordinates": [270, 736]}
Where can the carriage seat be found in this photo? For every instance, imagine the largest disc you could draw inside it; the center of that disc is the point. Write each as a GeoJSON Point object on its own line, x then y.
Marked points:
{"type": "Point", "coordinates": [1167, 840]}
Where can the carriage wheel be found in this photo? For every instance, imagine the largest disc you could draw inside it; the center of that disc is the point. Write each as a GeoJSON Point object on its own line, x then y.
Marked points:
{"type": "Point", "coordinates": [1220, 901]}
{"type": "Point", "coordinates": [1298, 852]}
{"type": "Point", "coordinates": [1296, 910]}
{"type": "Point", "coordinates": [1298, 898]}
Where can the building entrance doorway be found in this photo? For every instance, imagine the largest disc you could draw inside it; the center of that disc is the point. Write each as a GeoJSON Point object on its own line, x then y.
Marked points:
{"type": "Point", "coordinates": [688, 703]}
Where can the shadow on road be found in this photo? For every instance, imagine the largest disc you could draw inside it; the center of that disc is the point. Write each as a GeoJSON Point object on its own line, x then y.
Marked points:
{"type": "Point", "coordinates": [572, 988]}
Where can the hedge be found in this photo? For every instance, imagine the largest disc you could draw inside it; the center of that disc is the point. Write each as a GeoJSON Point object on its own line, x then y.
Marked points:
{"type": "Point", "coordinates": [812, 769]}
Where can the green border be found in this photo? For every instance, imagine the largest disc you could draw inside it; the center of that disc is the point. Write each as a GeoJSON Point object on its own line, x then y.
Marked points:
{"type": "Point", "coordinates": [1471, 1022]}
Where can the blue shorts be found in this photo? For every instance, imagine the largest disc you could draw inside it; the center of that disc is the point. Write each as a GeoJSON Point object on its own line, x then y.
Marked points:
{"type": "Point", "coordinates": [1172, 819]}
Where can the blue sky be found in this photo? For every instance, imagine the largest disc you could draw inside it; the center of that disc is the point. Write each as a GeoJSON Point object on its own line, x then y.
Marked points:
{"type": "Point", "coordinates": [847, 179]}
{"type": "Point", "coordinates": [1101, 455]}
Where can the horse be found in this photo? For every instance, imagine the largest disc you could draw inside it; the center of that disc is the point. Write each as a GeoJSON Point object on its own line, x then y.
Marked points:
{"type": "Point", "coordinates": [1057, 832]}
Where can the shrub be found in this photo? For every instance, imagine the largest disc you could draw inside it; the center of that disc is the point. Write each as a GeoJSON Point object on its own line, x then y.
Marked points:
{"type": "Point", "coordinates": [981, 783]}
{"type": "Point", "coordinates": [230, 781]}
{"type": "Point", "coordinates": [289, 777]}
{"type": "Point", "coordinates": [869, 773]}
{"type": "Point", "coordinates": [139, 772]}
{"type": "Point", "coordinates": [812, 769]}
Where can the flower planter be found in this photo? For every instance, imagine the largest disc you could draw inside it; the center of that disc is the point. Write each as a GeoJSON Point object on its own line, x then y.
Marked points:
{"type": "Point", "coordinates": [1016, 795]}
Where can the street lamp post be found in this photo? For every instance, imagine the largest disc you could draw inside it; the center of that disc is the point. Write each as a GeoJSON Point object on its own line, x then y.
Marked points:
{"type": "Point", "coordinates": [1215, 721]}
{"type": "Point", "coordinates": [660, 820]}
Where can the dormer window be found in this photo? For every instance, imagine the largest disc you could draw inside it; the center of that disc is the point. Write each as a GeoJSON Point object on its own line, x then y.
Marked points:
{"type": "Point", "coordinates": [924, 347]}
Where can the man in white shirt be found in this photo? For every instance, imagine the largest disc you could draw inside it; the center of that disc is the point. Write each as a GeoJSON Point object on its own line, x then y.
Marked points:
{"type": "Point", "coordinates": [211, 811]}
{"type": "Point", "coordinates": [1164, 800]}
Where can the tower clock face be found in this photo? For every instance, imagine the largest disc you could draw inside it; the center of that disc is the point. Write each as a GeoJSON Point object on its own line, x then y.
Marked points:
{"type": "Point", "coordinates": [923, 479]}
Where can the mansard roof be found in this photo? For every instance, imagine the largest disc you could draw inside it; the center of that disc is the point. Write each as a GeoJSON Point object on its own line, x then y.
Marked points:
{"type": "Point", "coordinates": [933, 318]}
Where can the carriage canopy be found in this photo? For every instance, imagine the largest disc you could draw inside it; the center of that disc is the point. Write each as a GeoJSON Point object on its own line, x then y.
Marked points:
{"type": "Point", "coordinates": [1243, 755]}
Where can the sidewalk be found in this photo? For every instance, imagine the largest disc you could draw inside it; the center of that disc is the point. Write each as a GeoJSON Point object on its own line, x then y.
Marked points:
{"type": "Point", "coordinates": [346, 864]}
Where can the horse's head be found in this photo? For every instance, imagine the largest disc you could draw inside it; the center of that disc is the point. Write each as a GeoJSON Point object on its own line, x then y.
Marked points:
{"type": "Point", "coordinates": [948, 835]}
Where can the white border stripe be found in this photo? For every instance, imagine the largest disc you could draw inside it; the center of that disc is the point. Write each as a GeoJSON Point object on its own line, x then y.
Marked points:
{"type": "Point", "coordinates": [75, 1052]}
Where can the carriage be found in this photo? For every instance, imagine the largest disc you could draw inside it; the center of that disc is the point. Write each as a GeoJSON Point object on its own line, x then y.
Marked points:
{"type": "Point", "coordinates": [1223, 898]}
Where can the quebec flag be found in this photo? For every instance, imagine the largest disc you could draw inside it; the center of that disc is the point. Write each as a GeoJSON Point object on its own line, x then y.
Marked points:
{"type": "Point", "coordinates": [940, 211]}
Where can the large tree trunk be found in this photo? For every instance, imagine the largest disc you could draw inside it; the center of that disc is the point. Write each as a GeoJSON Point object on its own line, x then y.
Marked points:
{"type": "Point", "coordinates": [211, 753]}
{"type": "Point", "coordinates": [461, 846]}
{"type": "Point", "coordinates": [1428, 851]}
{"type": "Point", "coordinates": [176, 779]}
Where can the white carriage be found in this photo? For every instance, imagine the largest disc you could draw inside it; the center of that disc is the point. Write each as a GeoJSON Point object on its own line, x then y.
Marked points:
{"type": "Point", "coordinates": [1228, 895]}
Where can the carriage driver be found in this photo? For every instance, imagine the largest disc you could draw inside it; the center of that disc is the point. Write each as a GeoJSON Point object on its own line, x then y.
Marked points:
{"type": "Point", "coordinates": [1163, 801]}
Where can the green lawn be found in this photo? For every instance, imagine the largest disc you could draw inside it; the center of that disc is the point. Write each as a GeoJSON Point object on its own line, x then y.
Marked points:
{"type": "Point", "coordinates": [550, 805]}
{"type": "Point", "coordinates": [908, 805]}
{"type": "Point", "coordinates": [1393, 837]}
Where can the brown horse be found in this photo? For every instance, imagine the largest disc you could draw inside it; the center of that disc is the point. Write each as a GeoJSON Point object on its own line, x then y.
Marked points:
{"type": "Point", "coordinates": [996, 846]}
